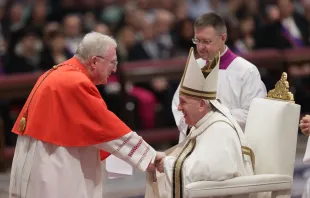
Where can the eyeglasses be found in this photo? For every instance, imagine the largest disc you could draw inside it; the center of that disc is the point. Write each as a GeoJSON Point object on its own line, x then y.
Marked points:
{"type": "Point", "coordinates": [113, 62]}
{"type": "Point", "coordinates": [203, 42]}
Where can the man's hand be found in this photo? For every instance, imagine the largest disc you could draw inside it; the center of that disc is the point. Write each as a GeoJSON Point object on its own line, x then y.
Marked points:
{"type": "Point", "coordinates": [160, 165]}
{"type": "Point", "coordinates": [159, 162]}
{"type": "Point", "coordinates": [305, 125]}
{"type": "Point", "coordinates": [151, 167]}
{"type": "Point", "coordinates": [159, 157]}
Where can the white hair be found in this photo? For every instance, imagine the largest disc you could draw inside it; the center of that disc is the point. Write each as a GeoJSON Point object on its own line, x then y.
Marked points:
{"type": "Point", "coordinates": [206, 101]}
{"type": "Point", "coordinates": [208, 104]}
{"type": "Point", "coordinates": [94, 44]}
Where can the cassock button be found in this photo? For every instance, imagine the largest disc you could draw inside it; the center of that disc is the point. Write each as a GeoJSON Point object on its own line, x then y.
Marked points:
{"type": "Point", "coordinates": [55, 66]}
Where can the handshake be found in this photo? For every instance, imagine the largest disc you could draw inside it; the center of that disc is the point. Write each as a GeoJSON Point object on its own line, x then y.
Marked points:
{"type": "Point", "coordinates": [158, 163]}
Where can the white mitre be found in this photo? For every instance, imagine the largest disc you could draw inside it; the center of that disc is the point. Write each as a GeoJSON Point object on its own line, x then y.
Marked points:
{"type": "Point", "coordinates": [200, 83]}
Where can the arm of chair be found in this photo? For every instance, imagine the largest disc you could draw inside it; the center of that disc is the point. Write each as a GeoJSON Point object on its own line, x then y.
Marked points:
{"type": "Point", "coordinates": [239, 185]}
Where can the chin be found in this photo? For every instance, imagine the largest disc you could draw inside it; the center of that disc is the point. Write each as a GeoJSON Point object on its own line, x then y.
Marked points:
{"type": "Point", "coordinates": [204, 57]}
{"type": "Point", "coordinates": [188, 123]}
{"type": "Point", "coordinates": [104, 82]}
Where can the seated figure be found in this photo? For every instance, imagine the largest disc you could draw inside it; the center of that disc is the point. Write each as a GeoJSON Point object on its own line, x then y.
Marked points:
{"type": "Point", "coordinates": [214, 150]}
{"type": "Point", "coordinates": [281, 90]}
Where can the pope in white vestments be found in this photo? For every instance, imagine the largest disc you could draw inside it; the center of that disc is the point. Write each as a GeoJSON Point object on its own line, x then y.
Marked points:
{"type": "Point", "coordinates": [215, 148]}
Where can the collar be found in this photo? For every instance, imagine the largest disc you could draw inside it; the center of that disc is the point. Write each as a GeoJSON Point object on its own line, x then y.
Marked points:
{"type": "Point", "coordinates": [77, 63]}
{"type": "Point", "coordinates": [226, 48]}
{"type": "Point", "coordinates": [204, 119]}
{"type": "Point", "coordinates": [226, 58]}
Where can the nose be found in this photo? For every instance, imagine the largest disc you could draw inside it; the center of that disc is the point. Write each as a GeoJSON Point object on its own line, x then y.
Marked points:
{"type": "Point", "coordinates": [114, 69]}
{"type": "Point", "coordinates": [200, 46]}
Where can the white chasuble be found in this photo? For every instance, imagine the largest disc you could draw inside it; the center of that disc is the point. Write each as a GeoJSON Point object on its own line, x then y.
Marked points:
{"type": "Point", "coordinates": [212, 152]}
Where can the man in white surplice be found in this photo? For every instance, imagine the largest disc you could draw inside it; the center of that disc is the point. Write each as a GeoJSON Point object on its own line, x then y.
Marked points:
{"type": "Point", "coordinates": [239, 80]}
{"type": "Point", "coordinates": [215, 148]}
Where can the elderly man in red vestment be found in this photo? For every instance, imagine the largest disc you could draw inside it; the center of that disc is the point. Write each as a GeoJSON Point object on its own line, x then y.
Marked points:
{"type": "Point", "coordinates": [65, 124]}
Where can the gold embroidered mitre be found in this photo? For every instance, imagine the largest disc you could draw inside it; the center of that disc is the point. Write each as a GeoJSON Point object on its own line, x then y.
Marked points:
{"type": "Point", "coordinates": [200, 83]}
{"type": "Point", "coordinates": [281, 90]}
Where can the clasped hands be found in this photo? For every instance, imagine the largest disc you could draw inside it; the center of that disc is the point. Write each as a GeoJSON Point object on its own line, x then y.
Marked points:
{"type": "Point", "coordinates": [158, 163]}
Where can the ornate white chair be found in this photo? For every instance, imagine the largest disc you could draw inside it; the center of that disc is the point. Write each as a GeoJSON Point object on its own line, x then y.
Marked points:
{"type": "Point", "coordinates": [271, 129]}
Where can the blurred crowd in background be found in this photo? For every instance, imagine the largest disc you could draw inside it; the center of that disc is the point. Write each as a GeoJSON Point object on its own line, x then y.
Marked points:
{"type": "Point", "coordinates": [37, 34]}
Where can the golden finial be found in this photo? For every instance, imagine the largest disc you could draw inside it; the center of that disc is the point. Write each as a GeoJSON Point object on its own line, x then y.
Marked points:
{"type": "Point", "coordinates": [281, 90]}
{"type": "Point", "coordinates": [207, 69]}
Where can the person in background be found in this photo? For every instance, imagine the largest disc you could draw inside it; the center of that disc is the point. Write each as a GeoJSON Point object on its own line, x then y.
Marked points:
{"type": "Point", "coordinates": [239, 80]}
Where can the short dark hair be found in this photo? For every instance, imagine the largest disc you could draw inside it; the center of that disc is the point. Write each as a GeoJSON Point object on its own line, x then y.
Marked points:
{"type": "Point", "coordinates": [211, 19]}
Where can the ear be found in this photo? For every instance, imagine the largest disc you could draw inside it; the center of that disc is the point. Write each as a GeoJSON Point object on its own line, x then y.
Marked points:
{"type": "Point", "coordinates": [94, 60]}
{"type": "Point", "coordinates": [224, 37]}
{"type": "Point", "coordinates": [93, 63]}
{"type": "Point", "coordinates": [203, 105]}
